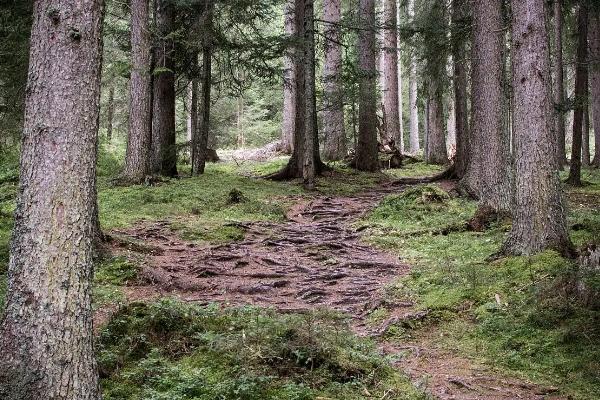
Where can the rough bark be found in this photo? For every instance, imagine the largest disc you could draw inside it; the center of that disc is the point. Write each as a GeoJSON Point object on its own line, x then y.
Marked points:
{"type": "Point", "coordinates": [539, 218]}
{"type": "Point", "coordinates": [289, 79]}
{"type": "Point", "coordinates": [164, 160]}
{"type": "Point", "coordinates": [435, 151]}
{"type": "Point", "coordinates": [580, 96]}
{"type": "Point", "coordinates": [390, 71]}
{"type": "Point", "coordinates": [138, 154]}
{"type": "Point", "coordinates": [488, 171]}
{"type": "Point", "coordinates": [400, 143]}
{"type": "Point", "coordinates": [594, 78]}
{"type": "Point", "coordinates": [308, 169]}
{"type": "Point", "coordinates": [413, 92]}
{"type": "Point", "coordinates": [559, 85]}
{"type": "Point", "coordinates": [333, 94]}
{"type": "Point", "coordinates": [110, 112]}
{"type": "Point", "coordinates": [585, 144]}
{"type": "Point", "coordinates": [46, 339]}
{"type": "Point", "coordinates": [366, 151]}
{"type": "Point", "coordinates": [459, 59]}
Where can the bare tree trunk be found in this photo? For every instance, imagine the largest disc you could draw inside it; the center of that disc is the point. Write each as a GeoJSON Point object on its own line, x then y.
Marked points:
{"type": "Point", "coordinates": [309, 169]}
{"type": "Point", "coordinates": [164, 159]}
{"type": "Point", "coordinates": [400, 90]}
{"type": "Point", "coordinates": [138, 156]}
{"type": "Point", "coordinates": [289, 80]}
{"type": "Point", "coordinates": [46, 339]}
{"type": "Point", "coordinates": [594, 77]}
{"type": "Point", "coordinates": [585, 147]}
{"type": "Point", "coordinates": [539, 220]}
{"type": "Point", "coordinates": [488, 171]}
{"type": "Point", "coordinates": [459, 59]}
{"type": "Point", "coordinates": [390, 71]}
{"type": "Point", "coordinates": [189, 122]}
{"type": "Point", "coordinates": [580, 96]}
{"type": "Point", "coordinates": [333, 94]}
{"type": "Point", "coordinates": [110, 113]}
{"type": "Point", "coordinates": [559, 85]}
{"type": "Point", "coordinates": [436, 152]}
{"type": "Point", "coordinates": [413, 92]}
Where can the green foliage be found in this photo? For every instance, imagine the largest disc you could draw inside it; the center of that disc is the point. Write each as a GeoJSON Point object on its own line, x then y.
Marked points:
{"type": "Point", "coordinates": [170, 350]}
{"type": "Point", "coordinates": [115, 271]}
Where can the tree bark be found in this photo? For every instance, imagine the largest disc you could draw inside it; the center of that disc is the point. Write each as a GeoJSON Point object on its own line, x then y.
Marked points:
{"type": "Point", "coordinates": [333, 93]}
{"type": "Point", "coordinates": [559, 85]}
{"type": "Point", "coordinates": [400, 143]}
{"type": "Point", "coordinates": [164, 160]}
{"type": "Point", "coordinates": [585, 146]}
{"type": "Point", "coordinates": [110, 112]}
{"type": "Point", "coordinates": [436, 152]}
{"type": "Point", "coordinates": [309, 170]}
{"type": "Point", "coordinates": [461, 117]}
{"type": "Point", "coordinates": [138, 154]}
{"type": "Point", "coordinates": [580, 96]}
{"type": "Point", "coordinates": [289, 79]}
{"type": "Point", "coordinates": [539, 220]}
{"type": "Point", "coordinates": [366, 151]}
{"type": "Point", "coordinates": [390, 71]}
{"type": "Point", "coordinates": [594, 79]}
{"type": "Point", "coordinates": [488, 171]}
{"type": "Point", "coordinates": [413, 91]}
{"type": "Point", "coordinates": [46, 339]}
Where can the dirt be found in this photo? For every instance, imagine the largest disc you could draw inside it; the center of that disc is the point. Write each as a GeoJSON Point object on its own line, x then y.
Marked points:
{"type": "Point", "coordinates": [315, 259]}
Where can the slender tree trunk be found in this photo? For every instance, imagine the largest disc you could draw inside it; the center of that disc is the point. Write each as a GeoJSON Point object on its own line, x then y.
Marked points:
{"type": "Point", "coordinates": [201, 143]}
{"type": "Point", "coordinates": [559, 85]}
{"type": "Point", "coordinates": [333, 93]}
{"type": "Point", "coordinates": [138, 156]}
{"type": "Point", "coordinates": [241, 139]}
{"type": "Point", "coordinates": [189, 131]}
{"type": "Point", "coordinates": [193, 114]}
{"type": "Point", "coordinates": [400, 89]}
{"type": "Point", "coordinates": [46, 339]}
{"type": "Point", "coordinates": [110, 113]}
{"type": "Point", "coordinates": [163, 116]}
{"type": "Point", "coordinates": [580, 96]}
{"type": "Point", "coordinates": [390, 71]}
{"type": "Point", "coordinates": [594, 77]}
{"type": "Point", "coordinates": [539, 220]}
{"type": "Point", "coordinates": [585, 147]}
{"type": "Point", "coordinates": [366, 151]}
{"type": "Point", "coordinates": [488, 171]}
{"type": "Point", "coordinates": [413, 92]}
{"type": "Point", "coordinates": [289, 81]}
{"type": "Point", "coordinates": [436, 152]}
{"type": "Point", "coordinates": [309, 170]}
{"type": "Point", "coordinates": [461, 117]}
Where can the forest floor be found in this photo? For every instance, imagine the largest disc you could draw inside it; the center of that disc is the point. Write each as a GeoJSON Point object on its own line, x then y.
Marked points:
{"type": "Point", "coordinates": [393, 264]}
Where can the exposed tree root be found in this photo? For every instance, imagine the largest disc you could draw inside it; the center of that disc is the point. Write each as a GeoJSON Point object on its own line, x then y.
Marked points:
{"type": "Point", "coordinates": [447, 174]}
{"type": "Point", "coordinates": [290, 171]}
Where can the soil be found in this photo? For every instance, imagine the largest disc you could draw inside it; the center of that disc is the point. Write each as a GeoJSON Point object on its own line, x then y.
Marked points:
{"type": "Point", "coordinates": [315, 259]}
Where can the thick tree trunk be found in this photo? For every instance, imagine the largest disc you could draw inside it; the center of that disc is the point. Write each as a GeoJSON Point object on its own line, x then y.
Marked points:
{"type": "Point", "coordinates": [413, 91]}
{"type": "Point", "coordinates": [289, 79]}
{"type": "Point", "coordinates": [390, 71]}
{"type": "Point", "coordinates": [580, 96]}
{"type": "Point", "coordinates": [164, 159]}
{"type": "Point", "coordinates": [201, 142]}
{"type": "Point", "coordinates": [46, 339]}
{"type": "Point", "coordinates": [436, 152]}
{"type": "Point", "coordinates": [333, 93]}
{"type": "Point", "coordinates": [461, 117]}
{"type": "Point", "coordinates": [366, 151]}
{"type": "Point", "coordinates": [559, 85]}
{"type": "Point", "coordinates": [310, 137]}
{"type": "Point", "coordinates": [110, 112]}
{"type": "Point", "coordinates": [138, 154]}
{"type": "Point", "coordinates": [539, 220]}
{"type": "Point", "coordinates": [594, 78]}
{"type": "Point", "coordinates": [400, 143]}
{"type": "Point", "coordinates": [488, 171]}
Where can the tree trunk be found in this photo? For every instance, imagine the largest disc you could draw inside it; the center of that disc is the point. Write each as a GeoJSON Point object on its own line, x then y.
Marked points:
{"type": "Point", "coordinates": [461, 117]}
{"type": "Point", "coordinates": [110, 112]}
{"type": "Point", "coordinates": [164, 160]}
{"type": "Point", "coordinates": [390, 71]}
{"type": "Point", "coordinates": [138, 155]}
{"type": "Point", "coordinates": [366, 152]}
{"type": "Point", "coordinates": [308, 170]}
{"type": "Point", "coordinates": [488, 171]}
{"type": "Point", "coordinates": [400, 90]}
{"type": "Point", "coordinates": [289, 79]}
{"type": "Point", "coordinates": [580, 96]}
{"type": "Point", "coordinates": [436, 152]}
{"type": "Point", "coordinates": [201, 143]}
{"type": "Point", "coordinates": [189, 122]}
{"type": "Point", "coordinates": [333, 93]}
{"type": "Point", "coordinates": [241, 138]}
{"type": "Point", "coordinates": [539, 220]}
{"type": "Point", "coordinates": [413, 91]}
{"type": "Point", "coordinates": [559, 85]}
{"type": "Point", "coordinates": [594, 78]}
{"type": "Point", "coordinates": [585, 146]}
{"type": "Point", "coordinates": [46, 339]}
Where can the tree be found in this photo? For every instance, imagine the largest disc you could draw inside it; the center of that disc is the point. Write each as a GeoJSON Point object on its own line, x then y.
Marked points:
{"type": "Point", "coordinates": [333, 95]}
{"type": "Point", "coordinates": [488, 171]}
{"type": "Point", "coordinates": [310, 136]}
{"type": "Point", "coordinates": [110, 112]}
{"type": "Point", "coordinates": [289, 74]}
{"type": "Point", "coordinates": [580, 95]}
{"type": "Point", "coordinates": [459, 59]}
{"type": "Point", "coordinates": [594, 72]}
{"type": "Point", "coordinates": [366, 151]}
{"type": "Point", "coordinates": [435, 150]}
{"type": "Point", "coordinates": [46, 340]}
{"type": "Point", "coordinates": [137, 156]}
{"type": "Point", "coordinates": [164, 159]}
{"type": "Point", "coordinates": [539, 220]}
{"type": "Point", "coordinates": [390, 71]}
{"type": "Point", "coordinates": [413, 91]}
{"type": "Point", "coordinates": [559, 85]}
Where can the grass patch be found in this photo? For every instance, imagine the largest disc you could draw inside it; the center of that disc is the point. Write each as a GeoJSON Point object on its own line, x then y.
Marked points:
{"type": "Point", "coordinates": [170, 350]}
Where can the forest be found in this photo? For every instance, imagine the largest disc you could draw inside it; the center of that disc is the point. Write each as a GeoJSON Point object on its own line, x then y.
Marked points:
{"type": "Point", "coordinates": [299, 199]}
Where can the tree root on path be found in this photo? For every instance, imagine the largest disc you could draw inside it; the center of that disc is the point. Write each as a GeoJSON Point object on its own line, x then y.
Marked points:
{"type": "Point", "coordinates": [447, 174]}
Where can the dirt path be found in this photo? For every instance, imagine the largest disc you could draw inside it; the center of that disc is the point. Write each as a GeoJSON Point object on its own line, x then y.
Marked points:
{"type": "Point", "coordinates": [316, 259]}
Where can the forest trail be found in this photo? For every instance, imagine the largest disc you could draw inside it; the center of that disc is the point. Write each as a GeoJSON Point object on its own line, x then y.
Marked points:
{"type": "Point", "coordinates": [315, 259]}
